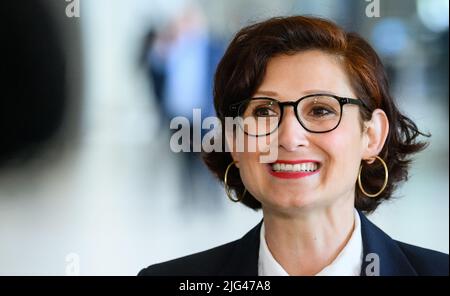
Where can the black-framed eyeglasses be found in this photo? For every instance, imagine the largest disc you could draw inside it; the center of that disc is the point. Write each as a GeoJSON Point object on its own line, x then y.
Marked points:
{"type": "Point", "coordinates": [317, 113]}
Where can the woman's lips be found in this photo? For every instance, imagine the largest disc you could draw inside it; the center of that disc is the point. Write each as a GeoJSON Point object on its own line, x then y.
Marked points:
{"type": "Point", "coordinates": [293, 174]}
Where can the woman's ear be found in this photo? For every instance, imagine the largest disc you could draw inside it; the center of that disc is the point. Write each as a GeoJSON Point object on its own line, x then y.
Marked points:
{"type": "Point", "coordinates": [375, 132]}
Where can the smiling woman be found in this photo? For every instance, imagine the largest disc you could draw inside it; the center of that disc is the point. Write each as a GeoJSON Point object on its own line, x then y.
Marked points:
{"type": "Point", "coordinates": [342, 147]}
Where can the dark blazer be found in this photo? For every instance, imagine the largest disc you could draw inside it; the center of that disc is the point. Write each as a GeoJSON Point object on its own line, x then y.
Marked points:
{"type": "Point", "coordinates": [240, 257]}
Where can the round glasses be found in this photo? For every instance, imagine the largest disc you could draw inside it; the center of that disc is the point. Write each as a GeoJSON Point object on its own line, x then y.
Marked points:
{"type": "Point", "coordinates": [317, 113]}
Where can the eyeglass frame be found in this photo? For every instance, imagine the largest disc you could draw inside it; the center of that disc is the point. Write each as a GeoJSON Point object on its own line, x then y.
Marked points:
{"type": "Point", "coordinates": [342, 101]}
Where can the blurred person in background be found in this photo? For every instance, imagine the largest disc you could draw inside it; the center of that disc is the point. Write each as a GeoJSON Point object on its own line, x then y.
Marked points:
{"type": "Point", "coordinates": [343, 148]}
{"type": "Point", "coordinates": [180, 59]}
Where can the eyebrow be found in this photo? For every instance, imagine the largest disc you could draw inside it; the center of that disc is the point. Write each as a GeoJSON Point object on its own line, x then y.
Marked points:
{"type": "Point", "coordinates": [308, 92]}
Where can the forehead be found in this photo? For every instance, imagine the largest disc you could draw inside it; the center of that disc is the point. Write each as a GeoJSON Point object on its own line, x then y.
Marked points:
{"type": "Point", "coordinates": [312, 71]}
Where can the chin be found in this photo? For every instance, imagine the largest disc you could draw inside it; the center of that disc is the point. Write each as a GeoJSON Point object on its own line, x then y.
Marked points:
{"type": "Point", "coordinates": [287, 202]}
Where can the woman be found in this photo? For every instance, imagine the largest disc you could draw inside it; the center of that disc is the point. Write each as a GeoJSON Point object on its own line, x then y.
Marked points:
{"type": "Point", "coordinates": [321, 100]}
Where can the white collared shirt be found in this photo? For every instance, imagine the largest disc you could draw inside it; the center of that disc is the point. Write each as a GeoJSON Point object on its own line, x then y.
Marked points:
{"type": "Point", "coordinates": [347, 263]}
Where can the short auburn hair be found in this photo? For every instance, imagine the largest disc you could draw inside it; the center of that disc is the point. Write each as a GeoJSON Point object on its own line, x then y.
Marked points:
{"type": "Point", "coordinates": [242, 69]}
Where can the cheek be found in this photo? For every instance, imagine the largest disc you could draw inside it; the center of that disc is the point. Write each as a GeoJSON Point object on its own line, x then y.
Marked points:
{"type": "Point", "coordinates": [344, 152]}
{"type": "Point", "coordinates": [253, 172]}
{"type": "Point", "coordinates": [257, 144]}
{"type": "Point", "coordinates": [258, 149]}
{"type": "Point", "coordinates": [248, 164]}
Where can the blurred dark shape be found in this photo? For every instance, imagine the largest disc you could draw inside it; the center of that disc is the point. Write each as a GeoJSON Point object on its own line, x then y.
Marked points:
{"type": "Point", "coordinates": [437, 70]}
{"type": "Point", "coordinates": [32, 93]}
{"type": "Point", "coordinates": [154, 61]}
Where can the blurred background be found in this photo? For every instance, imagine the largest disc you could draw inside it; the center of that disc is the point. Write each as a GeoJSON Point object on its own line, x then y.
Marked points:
{"type": "Point", "coordinates": [88, 183]}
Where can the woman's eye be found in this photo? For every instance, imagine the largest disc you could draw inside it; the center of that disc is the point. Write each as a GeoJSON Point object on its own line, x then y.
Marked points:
{"type": "Point", "coordinates": [321, 111]}
{"type": "Point", "coordinates": [264, 112]}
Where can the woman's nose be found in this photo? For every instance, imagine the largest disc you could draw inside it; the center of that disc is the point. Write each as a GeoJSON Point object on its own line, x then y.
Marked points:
{"type": "Point", "coordinates": [291, 134]}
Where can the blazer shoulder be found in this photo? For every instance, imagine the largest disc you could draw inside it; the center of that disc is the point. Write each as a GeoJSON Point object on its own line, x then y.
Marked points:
{"type": "Point", "coordinates": [425, 261]}
{"type": "Point", "coordinates": [207, 262]}
{"type": "Point", "coordinates": [239, 257]}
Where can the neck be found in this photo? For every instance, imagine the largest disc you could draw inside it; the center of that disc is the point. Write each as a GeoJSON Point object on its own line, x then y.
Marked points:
{"type": "Point", "coordinates": [308, 241]}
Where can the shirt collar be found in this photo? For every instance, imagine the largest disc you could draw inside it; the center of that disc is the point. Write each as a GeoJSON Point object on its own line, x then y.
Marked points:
{"type": "Point", "coordinates": [347, 263]}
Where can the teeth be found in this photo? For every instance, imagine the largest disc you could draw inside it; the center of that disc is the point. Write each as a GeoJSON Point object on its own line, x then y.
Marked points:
{"type": "Point", "coordinates": [299, 167]}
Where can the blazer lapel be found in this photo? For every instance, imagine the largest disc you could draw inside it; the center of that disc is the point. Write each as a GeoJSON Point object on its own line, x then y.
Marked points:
{"type": "Point", "coordinates": [378, 246]}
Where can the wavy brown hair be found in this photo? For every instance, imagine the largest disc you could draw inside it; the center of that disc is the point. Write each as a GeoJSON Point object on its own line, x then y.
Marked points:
{"type": "Point", "coordinates": [243, 66]}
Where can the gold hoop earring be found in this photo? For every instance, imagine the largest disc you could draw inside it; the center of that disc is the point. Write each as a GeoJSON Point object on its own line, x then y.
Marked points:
{"type": "Point", "coordinates": [386, 177]}
{"type": "Point", "coordinates": [227, 188]}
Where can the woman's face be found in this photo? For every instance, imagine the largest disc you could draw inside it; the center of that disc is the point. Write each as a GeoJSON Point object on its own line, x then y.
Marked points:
{"type": "Point", "coordinates": [336, 154]}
